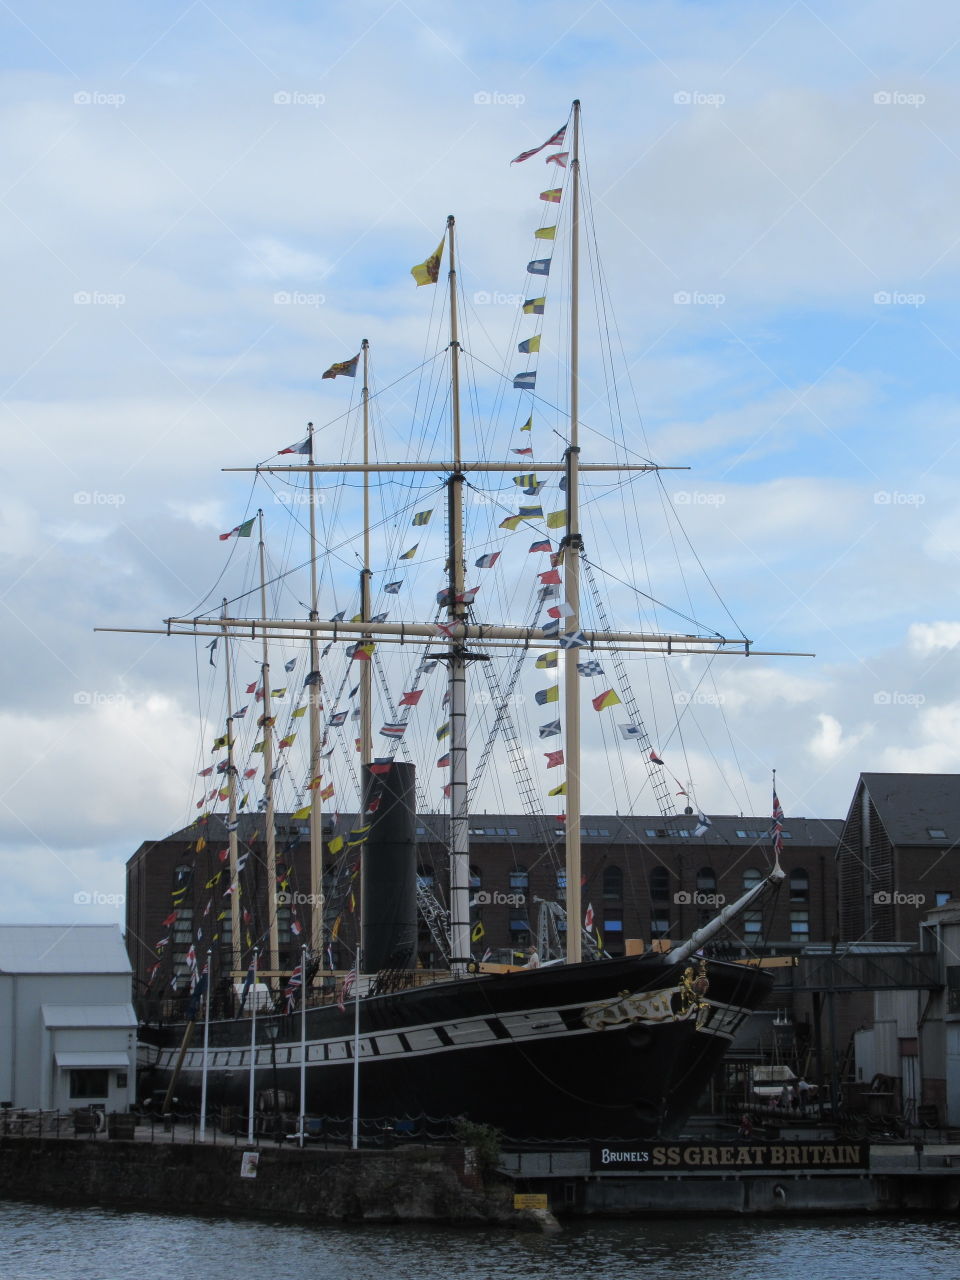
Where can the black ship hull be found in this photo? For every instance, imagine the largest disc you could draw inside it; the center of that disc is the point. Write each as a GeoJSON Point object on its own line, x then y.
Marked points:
{"type": "Point", "coordinates": [614, 1048]}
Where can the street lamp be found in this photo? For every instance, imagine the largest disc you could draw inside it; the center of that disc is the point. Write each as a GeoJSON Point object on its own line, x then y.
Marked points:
{"type": "Point", "coordinates": [273, 1030]}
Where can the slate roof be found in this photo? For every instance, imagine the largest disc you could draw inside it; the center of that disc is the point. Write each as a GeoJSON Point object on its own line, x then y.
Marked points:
{"type": "Point", "coordinates": [910, 805]}
{"type": "Point", "coordinates": [515, 828]}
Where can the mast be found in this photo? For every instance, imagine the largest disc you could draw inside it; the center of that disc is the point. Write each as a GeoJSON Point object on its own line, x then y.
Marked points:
{"type": "Point", "coordinates": [366, 673]}
{"type": "Point", "coordinates": [572, 546]}
{"type": "Point", "coordinates": [231, 814]}
{"type": "Point", "coordinates": [456, 613]}
{"type": "Point", "coordinates": [313, 697]}
{"type": "Point", "coordinates": [273, 946]}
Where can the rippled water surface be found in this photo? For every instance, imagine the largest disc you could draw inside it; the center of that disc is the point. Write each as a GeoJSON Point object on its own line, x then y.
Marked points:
{"type": "Point", "coordinates": [42, 1243]}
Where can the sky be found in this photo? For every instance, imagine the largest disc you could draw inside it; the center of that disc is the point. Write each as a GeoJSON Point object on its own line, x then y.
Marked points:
{"type": "Point", "coordinates": [203, 206]}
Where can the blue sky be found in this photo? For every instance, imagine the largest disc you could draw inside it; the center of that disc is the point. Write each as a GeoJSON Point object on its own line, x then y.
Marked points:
{"type": "Point", "coordinates": [792, 169]}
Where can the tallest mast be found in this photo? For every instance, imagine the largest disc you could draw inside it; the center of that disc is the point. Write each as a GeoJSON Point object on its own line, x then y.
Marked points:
{"type": "Point", "coordinates": [572, 546]}
{"type": "Point", "coordinates": [456, 613]}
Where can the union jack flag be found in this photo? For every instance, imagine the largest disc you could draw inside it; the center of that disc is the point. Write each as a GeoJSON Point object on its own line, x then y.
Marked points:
{"type": "Point", "coordinates": [777, 824]}
{"type": "Point", "coordinates": [293, 987]}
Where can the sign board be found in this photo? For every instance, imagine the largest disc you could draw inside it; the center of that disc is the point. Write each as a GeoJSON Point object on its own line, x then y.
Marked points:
{"type": "Point", "coordinates": [529, 1200]}
{"type": "Point", "coordinates": [716, 1157]}
{"type": "Point", "coordinates": [248, 1164]}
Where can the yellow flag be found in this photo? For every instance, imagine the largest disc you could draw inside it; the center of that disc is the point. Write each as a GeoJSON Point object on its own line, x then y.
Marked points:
{"type": "Point", "coordinates": [556, 519]}
{"type": "Point", "coordinates": [429, 272]}
{"type": "Point", "coordinates": [335, 845]}
{"type": "Point", "coordinates": [301, 813]}
{"type": "Point", "coordinates": [477, 932]}
{"type": "Point", "coordinates": [546, 233]}
{"type": "Point", "coordinates": [299, 712]}
{"type": "Point", "coordinates": [558, 791]}
{"type": "Point", "coordinates": [511, 522]}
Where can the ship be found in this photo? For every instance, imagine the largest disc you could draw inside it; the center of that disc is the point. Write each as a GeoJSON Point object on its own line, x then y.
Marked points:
{"type": "Point", "coordinates": [555, 1047]}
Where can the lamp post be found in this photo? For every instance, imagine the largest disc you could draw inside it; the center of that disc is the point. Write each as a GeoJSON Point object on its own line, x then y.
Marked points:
{"type": "Point", "coordinates": [273, 1030]}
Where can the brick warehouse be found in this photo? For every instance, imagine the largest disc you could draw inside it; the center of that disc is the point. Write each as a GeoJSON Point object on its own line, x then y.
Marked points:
{"type": "Point", "coordinates": [646, 878]}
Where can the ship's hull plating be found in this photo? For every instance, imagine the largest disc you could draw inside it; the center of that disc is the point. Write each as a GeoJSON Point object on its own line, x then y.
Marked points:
{"type": "Point", "coordinates": [613, 1048]}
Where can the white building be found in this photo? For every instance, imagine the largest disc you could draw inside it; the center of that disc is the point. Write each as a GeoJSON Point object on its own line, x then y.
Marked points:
{"type": "Point", "coordinates": [68, 1032]}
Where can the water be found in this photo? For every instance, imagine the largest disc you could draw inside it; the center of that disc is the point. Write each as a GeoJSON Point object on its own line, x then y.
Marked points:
{"type": "Point", "coordinates": [42, 1243]}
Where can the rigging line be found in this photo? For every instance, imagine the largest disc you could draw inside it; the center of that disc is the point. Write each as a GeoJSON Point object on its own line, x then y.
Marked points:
{"type": "Point", "coordinates": [660, 603]}
{"type": "Point", "coordinates": [561, 412]}
{"type": "Point", "coordinates": [352, 408]}
{"type": "Point", "coordinates": [700, 564]}
{"type": "Point", "coordinates": [328, 552]}
{"type": "Point", "coordinates": [232, 552]}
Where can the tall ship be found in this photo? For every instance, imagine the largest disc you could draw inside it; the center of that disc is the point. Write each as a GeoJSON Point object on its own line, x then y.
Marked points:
{"type": "Point", "coordinates": [562, 1040]}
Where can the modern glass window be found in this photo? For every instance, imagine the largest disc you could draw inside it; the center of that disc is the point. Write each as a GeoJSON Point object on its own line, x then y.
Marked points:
{"type": "Point", "coordinates": [936, 833]}
{"type": "Point", "coordinates": [751, 878]}
{"type": "Point", "coordinates": [519, 879]}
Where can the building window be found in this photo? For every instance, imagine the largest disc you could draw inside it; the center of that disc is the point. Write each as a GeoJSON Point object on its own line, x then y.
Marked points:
{"type": "Point", "coordinates": [799, 885]}
{"type": "Point", "coordinates": [943, 897]}
{"type": "Point", "coordinates": [612, 882]}
{"type": "Point", "coordinates": [89, 1084]}
{"type": "Point", "coordinates": [800, 925]}
{"type": "Point", "coordinates": [519, 879]}
{"type": "Point", "coordinates": [476, 878]}
{"type": "Point", "coordinates": [753, 926]}
{"type": "Point", "coordinates": [121, 1079]}
{"type": "Point", "coordinates": [659, 924]}
{"type": "Point", "coordinates": [283, 925]}
{"type": "Point", "coordinates": [612, 926]}
{"type": "Point", "coordinates": [936, 833]}
{"type": "Point", "coordinates": [706, 880]}
{"type": "Point", "coordinates": [751, 878]}
{"type": "Point", "coordinates": [660, 885]}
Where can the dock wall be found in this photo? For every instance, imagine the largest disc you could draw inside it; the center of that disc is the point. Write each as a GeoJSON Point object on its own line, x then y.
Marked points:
{"type": "Point", "coordinates": [406, 1185]}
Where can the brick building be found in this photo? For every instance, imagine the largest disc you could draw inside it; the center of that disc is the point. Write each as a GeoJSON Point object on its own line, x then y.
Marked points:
{"type": "Point", "coordinates": [645, 878]}
{"type": "Point", "coordinates": [897, 854]}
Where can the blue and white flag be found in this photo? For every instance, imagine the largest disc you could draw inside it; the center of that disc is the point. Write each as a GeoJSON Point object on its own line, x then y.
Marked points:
{"type": "Point", "coordinates": [591, 668]}
{"type": "Point", "coordinates": [525, 381]}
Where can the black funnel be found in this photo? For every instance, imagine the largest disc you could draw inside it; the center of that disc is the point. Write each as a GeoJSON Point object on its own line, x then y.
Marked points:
{"type": "Point", "coordinates": [389, 870]}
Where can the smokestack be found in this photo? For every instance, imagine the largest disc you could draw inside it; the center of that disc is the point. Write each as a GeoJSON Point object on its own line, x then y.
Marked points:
{"type": "Point", "coordinates": [389, 870]}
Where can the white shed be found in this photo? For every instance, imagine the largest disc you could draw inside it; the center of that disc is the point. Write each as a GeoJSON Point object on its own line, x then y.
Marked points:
{"type": "Point", "coordinates": [68, 1031]}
